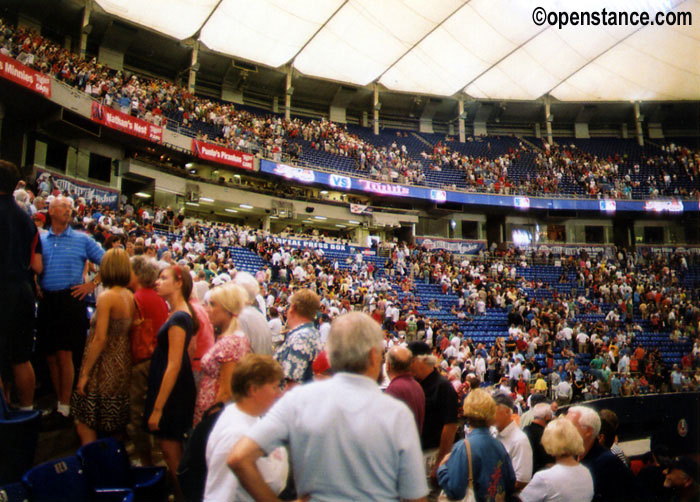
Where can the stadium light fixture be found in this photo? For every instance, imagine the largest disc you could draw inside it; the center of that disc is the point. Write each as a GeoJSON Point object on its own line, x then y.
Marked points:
{"type": "Point", "coordinates": [195, 204]}
{"type": "Point", "coordinates": [320, 217]}
{"type": "Point", "coordinates": [206, 199]}
{"type": "Point", "coordinates": [231, 210]}
{"type": "Point", "coordinates": [143, 195]}
{"type": "Point", "coordinates": [245, 206]}
{"type": "Point", "coordinates": [353, 222]}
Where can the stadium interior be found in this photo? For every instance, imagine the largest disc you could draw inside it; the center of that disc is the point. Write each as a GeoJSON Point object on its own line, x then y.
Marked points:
{"type": "Point", "coordinates": [500, 143]}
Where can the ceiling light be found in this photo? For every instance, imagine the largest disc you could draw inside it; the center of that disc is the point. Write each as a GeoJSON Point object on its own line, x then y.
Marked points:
{"type": "Point", "coordinates": [193, 171]}
{"type": "Point", "coordinates": [274, 217]}
{"type": "Point", "coordinates": [189, 165]}
{"type": "Point", "coordinates": [236, 175]}
{"type": "Point", "coordinates": [205, 199]}
{"type": "Point", "coordinates": [246, 206]}
{"type": "Point", "coordinates": [320, 217]}
{"type": "Point", "coordinates": [323, 192]}
{"type": "Point", "coordinates": [340, 226]}
{"type": "Point", "coordinates": [143, 195]}
{"type": "Point", "coordinates": [231, 210]}
{"type": "Point", "coordinates": [192, 204]}
{"type": "Point", "coordinates": [353, 222]}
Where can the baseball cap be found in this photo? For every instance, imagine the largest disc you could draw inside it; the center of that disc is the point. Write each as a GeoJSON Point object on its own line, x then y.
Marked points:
{"type": "Point", "coordinates": [419, 348]}
{"type": "Point", "coordinates": [503, 399]}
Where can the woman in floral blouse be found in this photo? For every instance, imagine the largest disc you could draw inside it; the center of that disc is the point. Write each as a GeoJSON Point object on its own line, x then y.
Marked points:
{"type": "Point", "coordinates": [224, 305]}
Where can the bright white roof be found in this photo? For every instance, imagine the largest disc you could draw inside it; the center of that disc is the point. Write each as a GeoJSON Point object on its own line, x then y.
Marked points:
{"type": "Point", "coordinates": [485, 48]}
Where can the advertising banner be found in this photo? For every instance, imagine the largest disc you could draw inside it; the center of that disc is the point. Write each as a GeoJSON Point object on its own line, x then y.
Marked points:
{"type": "Point", "coordinates": [458, 246]}
{"type": "Point", "coordinates": [76, 188]}
{"type": "Point", "coordinates": [16, 72]}
{"type": "Point", "coordinates": [221, 155]}
{"type": "Point", "coordinates": [126, 123]}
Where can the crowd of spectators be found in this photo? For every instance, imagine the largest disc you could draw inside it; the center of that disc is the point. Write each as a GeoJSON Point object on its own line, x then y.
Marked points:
{"type": "Point", "coordinates": [670, 171]}
{"type": "Point", "coordinates": [157, 256]}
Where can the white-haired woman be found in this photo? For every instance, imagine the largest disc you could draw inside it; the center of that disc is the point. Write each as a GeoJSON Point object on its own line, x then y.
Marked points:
{"type": "Point", "coordinates": [567, 479]}
{"type": "Point", "coordinates": [225, 304]}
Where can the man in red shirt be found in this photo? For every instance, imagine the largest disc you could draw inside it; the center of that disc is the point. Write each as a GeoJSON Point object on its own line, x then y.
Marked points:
{"type": "Point", "coordinates": [403, 386]}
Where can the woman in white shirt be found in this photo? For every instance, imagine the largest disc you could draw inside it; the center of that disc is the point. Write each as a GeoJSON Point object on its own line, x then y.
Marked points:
{"type": "Point", "coordinates": [567, 479]}
{"type": "Point", "coordinates": [255, 385]}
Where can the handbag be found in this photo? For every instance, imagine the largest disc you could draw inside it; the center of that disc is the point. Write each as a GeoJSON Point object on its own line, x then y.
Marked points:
{"type": "Point", "coordinates": [469, 496]}
{"type": "Point", "coordinates": [143, 338]}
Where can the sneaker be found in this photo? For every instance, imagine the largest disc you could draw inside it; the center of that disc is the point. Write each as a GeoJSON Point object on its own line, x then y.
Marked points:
{"type": "Point", "coordinates": [55, 421]}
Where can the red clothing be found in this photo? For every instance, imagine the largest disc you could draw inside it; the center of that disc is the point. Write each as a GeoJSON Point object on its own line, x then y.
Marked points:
{"type": "Point", "coordinates": [405, 388]}
{"type": "Point", "coordinates": [205, 335]}
{"type": "Point", "coordinates": [152, 307]}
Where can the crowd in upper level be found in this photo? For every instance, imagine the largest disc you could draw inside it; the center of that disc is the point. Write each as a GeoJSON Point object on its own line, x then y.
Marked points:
{"type": "Point", "coordinates": [668, 171]}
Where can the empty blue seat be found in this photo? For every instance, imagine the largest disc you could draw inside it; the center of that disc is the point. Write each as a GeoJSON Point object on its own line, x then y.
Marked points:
{"type": "Point", "coordinates": [64, 480]}
{"type": "Point", "coordinates": [19, 433]}
{"type": "Point", "coordinates": [14, 492]}
{"type": "Point", "coordinates": [107, 465]}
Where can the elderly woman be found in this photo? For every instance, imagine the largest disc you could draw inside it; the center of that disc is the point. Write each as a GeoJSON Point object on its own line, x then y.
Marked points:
{"type": "Point", "coordinates": [255, 386]}
{"type": "Point", "coordinates": [566, 479]}
{"type": "Point", "coordinates": [492, 471]}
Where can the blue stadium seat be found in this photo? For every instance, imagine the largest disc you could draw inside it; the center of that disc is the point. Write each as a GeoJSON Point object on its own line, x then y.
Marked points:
{"type": "Point", "coordinates": [19, 433]}
{"type": "Point", "coordinates": [107, 465]}
{"type": "Point", "coordinates": [64, 480]}
{"type": "Point", "coordinates": [14, 492]}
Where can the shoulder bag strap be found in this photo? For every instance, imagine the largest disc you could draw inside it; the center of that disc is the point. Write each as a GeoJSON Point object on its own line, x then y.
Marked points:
{"type": "Point", "coordinates": [469, 457]}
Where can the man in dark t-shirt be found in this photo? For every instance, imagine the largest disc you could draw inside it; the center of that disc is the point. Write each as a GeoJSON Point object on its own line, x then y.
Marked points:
{"type": "Point", "coordinates": [440, 424]}
{"type": "Point", "coordinates": [20, 256]}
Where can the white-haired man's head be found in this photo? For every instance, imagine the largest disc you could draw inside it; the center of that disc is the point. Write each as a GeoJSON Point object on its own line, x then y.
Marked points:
{"type": "Point", "coordinates": [249, 283]}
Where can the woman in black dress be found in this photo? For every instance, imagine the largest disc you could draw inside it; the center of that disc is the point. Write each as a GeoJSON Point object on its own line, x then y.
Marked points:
{"type": "Point", "coordinates": [170, 400]}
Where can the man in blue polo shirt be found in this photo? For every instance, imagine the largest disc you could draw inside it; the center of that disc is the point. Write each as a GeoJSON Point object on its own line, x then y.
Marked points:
{"type": "Point", "coordinates": [62, 310]}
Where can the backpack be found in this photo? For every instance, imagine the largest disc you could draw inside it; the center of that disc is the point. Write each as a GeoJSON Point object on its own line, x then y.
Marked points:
{"type": "Point", "coordinates": [192, 471]}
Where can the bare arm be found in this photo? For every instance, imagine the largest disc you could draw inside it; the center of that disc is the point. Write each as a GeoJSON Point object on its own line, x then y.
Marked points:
{"type": "Point", "coordinates": [37, 264]}
{"type": "Point", "coordinates": [176, 347]}
{"type": "Point", "coordinates": [447, 438]}
{"type": "Point", "coordinates": [224, 394]}
{"type": "Point", "coordinates": [99, 340]}
{"type": "Point", "coordinates": [242, 461]}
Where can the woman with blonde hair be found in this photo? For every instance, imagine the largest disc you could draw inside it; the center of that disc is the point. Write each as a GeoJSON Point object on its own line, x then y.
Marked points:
{"type": "Point", "coordinates": [480, 460]}
{"type": "Point", "coordinates": [100, 401]}
{"type": "Point", "coordinates": [567, 479]}
{"type": "Point", "coordinates": [224, 305]}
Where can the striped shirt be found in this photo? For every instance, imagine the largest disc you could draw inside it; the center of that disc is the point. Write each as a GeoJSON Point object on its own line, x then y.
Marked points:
{"type": "Point", "coordinates": [64, 257]}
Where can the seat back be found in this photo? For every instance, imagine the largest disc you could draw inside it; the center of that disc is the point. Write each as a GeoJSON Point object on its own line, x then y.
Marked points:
{"type": "Point", "coordinates": [14, 492]}
{"type": "Point", "coordinates": [106, 464]}
{"type": "Point", "coordinates": [19, 433]}
{"type": "Point", "coordinates": [61, 480]}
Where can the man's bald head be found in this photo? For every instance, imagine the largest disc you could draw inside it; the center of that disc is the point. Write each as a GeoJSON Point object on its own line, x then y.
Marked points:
{"type": "Point", "coordinates": [399, 360]}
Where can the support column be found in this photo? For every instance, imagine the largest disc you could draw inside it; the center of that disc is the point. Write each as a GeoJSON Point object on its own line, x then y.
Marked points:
{"type": "Point", "coordinates": [461, 117]}
{"type": "Point", "coordinates": [549, 119]}
{"type": "Point", "coordinates": [86, 28]}
{"type": "Point", "coordinates": [288, 91]}
{"type": "Point", "coordinates": [638, 119]}
{"type": "Point", "coordinates": [376, 106]}
{"type": "Point", "coordinates": [194, 67]}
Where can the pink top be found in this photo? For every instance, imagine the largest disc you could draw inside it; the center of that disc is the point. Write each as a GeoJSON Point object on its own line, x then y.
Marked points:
{"type": "Point", "coordinates": [205, 335]}
{"type": "Point", "coordinates": [226, 349]}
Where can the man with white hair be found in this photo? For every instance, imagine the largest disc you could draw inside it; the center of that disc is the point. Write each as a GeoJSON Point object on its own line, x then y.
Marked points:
{"type": "Point", "coordinates": [347, 440]}
{"type": "Point", "coordinates": [513, 439]}
{"type": "Point", "coordinates": [612, 480]}
{"type": "Point", "coordinates": [251, 321]}
{"type": "Point", "coordinates": [62, 316]}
